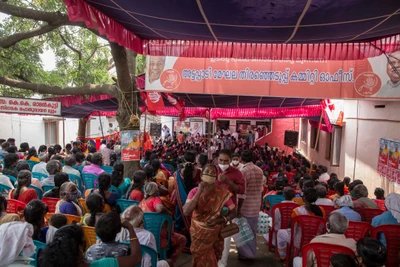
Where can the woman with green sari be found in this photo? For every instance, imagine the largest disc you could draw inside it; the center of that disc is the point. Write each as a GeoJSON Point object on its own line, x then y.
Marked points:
{"type": "Point", "coordinates": [204, 204]}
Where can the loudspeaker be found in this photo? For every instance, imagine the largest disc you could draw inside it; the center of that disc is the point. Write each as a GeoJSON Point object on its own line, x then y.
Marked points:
{"type": "Point", "coordinates": [291, 138]}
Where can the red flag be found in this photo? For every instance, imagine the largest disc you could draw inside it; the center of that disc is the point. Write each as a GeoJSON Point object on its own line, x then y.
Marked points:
{"type": "Point", "coordinates": [179, 104]}
{"type": "Point", "coordinates": [143, 96]}
{"type": "Point", "coordinates": [155, 101]}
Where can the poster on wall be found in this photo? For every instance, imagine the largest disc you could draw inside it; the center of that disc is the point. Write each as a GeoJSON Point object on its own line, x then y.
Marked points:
{"type": "Point", "coordinates": [393, 161]}
{"type": "Point", "coordinates": [243, 127]}
{"type": "Point", "coordinates": [383, 157]}
{"type": "Point", "coordinates": [196, 127]}
{"type": "Point", "coordinates": [181, 126]}
{"type": "Point", "coordinates": [130, 145]}
{"type": "Point", "coordinates": [365, 78]}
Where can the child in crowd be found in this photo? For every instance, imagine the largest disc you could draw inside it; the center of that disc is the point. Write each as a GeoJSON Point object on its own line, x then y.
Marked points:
{"type": "Point", "coordinates": [56, 221]}
{"type": "Point", "coordinates": [380, 198]}
{"type": "Point", "coordinates": [342, 260]}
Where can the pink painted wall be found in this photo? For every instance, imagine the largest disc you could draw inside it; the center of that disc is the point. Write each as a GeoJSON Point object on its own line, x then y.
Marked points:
{"type": "Point", "coordinates": [277, 136]}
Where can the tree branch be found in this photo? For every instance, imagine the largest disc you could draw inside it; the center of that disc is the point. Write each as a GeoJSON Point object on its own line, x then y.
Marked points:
{"type": "Point", "coordinates": [73, 49]}
{"type": "Point", "coordinates": [11, 40]}
{"type": "Point", "coordinates": [29, 13]}
{"type": "Point", "coordinates": [89, 89]}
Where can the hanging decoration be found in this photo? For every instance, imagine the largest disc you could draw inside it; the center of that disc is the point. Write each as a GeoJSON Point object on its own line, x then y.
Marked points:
{"type": "Point", "coordinates": [179, 104]}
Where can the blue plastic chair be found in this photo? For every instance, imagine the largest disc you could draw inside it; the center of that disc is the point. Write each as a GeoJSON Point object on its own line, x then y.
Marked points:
{"type": "Point", "coordinates": [12, 179]}
{"type": "Point", "coordinates": [4, 189]}
{"type": "Point", "coordinates": [146, 250]}
{"type": "Point", "coordinates": [143, 164]}
{"type": "Point", "coordinates": [47, 187]}
{"type": "Point", "coordinates": [170, 168]}
{"type": "Point", "coordinates": [123, 204]}
{"type": "Point", "coordinates": [38, 175]}
{"type": "Point", "coordinates": [153, 222]}
{"type": "Point", "coordinates": [107, 169]}
{"type": "Point", "coordinates": [90, 180]}
{"type": "Point", "coordinates": [273, 199]}
{"type": "Point", "coordinates": [115, 189]}
{"type": "Point", "coordinates": [31, 163]}
{"type": "Point", "coordinates": [39, 245]}
{"type": "Point", "coordinates": [79, 168]}
{"type": "Point", "coordinates": [76, 180]}
{"type": "Point", "coordinates": [38, 191]}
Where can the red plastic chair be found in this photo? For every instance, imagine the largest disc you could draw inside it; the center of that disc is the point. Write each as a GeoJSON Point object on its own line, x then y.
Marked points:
{"type": "Point", "coordinates": [381, 204]}
{"type": "Point", "coordinates": [392, 235]}
{"type": "Point", "coordinates": [15, 206]}
{"type": "Point", "coordinates": [328, 209]}
{"type": "Point", "coordinates": [358, 230]}
{"type": "Point", "coordinates": [51, 203]}
{"type": "Point", "coordinates": [323, 253]}
{"type": "Point", "coordinates": [331, 192]}
{"type": "Point", "coordinates": [309, 226]}
{"type": "Point", "coordinates": [368, 214]}
{"type": "Point", "coordinates": [285, 210]}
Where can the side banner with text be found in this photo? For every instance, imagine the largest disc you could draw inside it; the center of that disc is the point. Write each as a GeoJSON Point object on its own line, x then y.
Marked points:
{"type": "Point", "coordinates": [376, 77]}
{"type": "Point", "coordinates": [30, 106]}
{"type": "Point", "coordinates": [130, 145]}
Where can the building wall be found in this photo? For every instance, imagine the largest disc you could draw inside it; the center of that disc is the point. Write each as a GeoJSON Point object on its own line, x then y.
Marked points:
{"type": "Point", "coordinates": [363, 127]}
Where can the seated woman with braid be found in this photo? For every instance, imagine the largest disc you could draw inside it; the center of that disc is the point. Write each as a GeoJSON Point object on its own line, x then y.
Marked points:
{"type": "Point", "coordinates": [95, 204]}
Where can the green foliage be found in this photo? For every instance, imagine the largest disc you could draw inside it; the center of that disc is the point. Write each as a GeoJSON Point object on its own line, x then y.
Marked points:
{"type": "Point", "coordinates": [140, 64]}
{"type": "Point", "coordinates": [81, 57]}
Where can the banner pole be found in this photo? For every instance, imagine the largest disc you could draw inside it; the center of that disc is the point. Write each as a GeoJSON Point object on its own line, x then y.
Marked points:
{"type": "Point", "coordinates": [209, 129]}
{"type": "Point", "coordinates": [145, 121]}
{"type": "Point", "coordinates": [316, 141]}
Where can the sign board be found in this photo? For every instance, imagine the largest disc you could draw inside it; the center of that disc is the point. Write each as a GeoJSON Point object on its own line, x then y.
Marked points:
{"type": "Point", "coordinates": [388, 160]}
{"type": "Point", "coordinates": [196, 127]}
{"type": "Point", "coordinates": [326, 79]}
{"type": "Point", "coordinates": [30, 106]}
{"type": "Point", "coordinates": [155, 129]}
{"type": "Point", "coordinates": [130, 145]}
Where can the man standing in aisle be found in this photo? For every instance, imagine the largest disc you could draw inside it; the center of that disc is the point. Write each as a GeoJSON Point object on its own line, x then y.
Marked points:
{"type": "Point", "coordinates": [230, 178]}
{"type": "Point", "coordinates": [250, 209]}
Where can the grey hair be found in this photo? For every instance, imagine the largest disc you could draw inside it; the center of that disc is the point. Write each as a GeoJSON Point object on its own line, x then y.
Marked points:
{"type": "Point", "coordinates": [338, 223]}
{"type": "Point", "coordinates": [150, 189]}
{"type": "Point", "coordinates": [360, 190]}
{"type": "Point", "coordinates": [43, 157]}
{"type": "Point", "coordinates": [70, 160]}
{"type": "Point", "coordinates": [134, 214]}
{"type": "Point", "coordinates": [321, 191]}
{"type": "Point", "coordinates": [53, 167]}
{"type": "Point", "coordinates": [65, 187]}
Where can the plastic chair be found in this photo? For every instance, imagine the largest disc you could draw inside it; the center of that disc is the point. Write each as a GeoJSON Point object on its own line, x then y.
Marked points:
{"type": "Point", "coordinates": [328, 209]}
{"type": "Point", "coordinates": [90, 236]}
{"type": "Point", "coordinates": [31, 163]}
{"type": "Point", "coordinates": [4, 190]}
{"type": "Point", "coordinates": [123, 204]}
{"type": "Point", "coordinates": [107, 169]}
{"type": "Point", "coordinates": [72, 219]}
{"type": "Point", "coordinates": [285, 210]}
{"type": "Point", "coordinates": [309, 226]}
{"type": "Point", "coordinates": [51, 203]}
{"type": "Point", "coordinates": [38, 191]}
{"type": "Point", "coordinates": [14, 206]}
{"type": "Point", "coordinates": [272, 200]}
{"type": "Point", "coordinates": [79, 168]}
{"type": "Point", "coordinates": [331, 192]}
{"type": "Point", "coordinates": [115, 189]}
{"type": "Point", "coordinates": [76, 180]}
{"type": "Point", "coordinates": [368, 214]}
{"type": "Point", "coordinates": [146, 250]}
{"type": "Point", "coordinates": [12, 179]}
{"type": "Point", "coordinates": [82, 201]}
{"type": "Point", "coordinates": [323, 253]}
{"type": "Point", "coordinates": [38, 175]}
{"type": "Point", "coordinates": [39, 245]}
{"type": "Point", "coordinates": [47, 187]}
{"type": "Point", "coordinates": [392, 235]}
{"type": "Point", "coordinates": [358, 230]}
{"type": "Point", "coordinates": [169, 167]}
{"type": "Point", "coordinates": [90, 180]}
{"type": "Point", "coordinates": [154, 222]}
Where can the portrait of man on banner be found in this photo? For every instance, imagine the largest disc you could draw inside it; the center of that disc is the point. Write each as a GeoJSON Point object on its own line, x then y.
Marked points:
{"type": "Point", "coordinates": [130, 145]}
{"type": "Point", "coordinates": [392, 87]}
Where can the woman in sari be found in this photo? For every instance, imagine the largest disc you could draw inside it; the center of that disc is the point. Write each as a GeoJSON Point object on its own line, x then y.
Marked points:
{"type": "Point", "coordinates": [23, 193]}
{"type": "Point", "coordinates": [204, 204]}
{"type": "Point", "coordinates": [153, 203]}
{"type": "Point", "coordinates": [187, 178]}
{"type": "Point", "coordinates": [309, 197]}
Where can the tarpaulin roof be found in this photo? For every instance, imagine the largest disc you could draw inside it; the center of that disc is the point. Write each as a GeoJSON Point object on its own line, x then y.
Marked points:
{"type": "Point", "coordinates": [295, 29]}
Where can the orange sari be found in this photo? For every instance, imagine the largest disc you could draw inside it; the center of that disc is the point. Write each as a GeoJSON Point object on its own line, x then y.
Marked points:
{"type": "Point", "coordinates": [207, 244]}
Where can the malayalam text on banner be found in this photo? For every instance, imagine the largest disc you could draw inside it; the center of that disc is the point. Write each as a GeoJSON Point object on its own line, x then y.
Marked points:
{"type": "Point", "coordinates": [30, 106]}
{"type": "Point", "coordinates": [368, 78]}
{"type": "Point", "coordinates": [130, 145]}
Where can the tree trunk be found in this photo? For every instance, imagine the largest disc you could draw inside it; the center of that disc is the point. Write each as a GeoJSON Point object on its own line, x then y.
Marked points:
{"type": "Point", "coordinates": [82, 128]}
{"type": "Point", "coordinates": [127, 99]}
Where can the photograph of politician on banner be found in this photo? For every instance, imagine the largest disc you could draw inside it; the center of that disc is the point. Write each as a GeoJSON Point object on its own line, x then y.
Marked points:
{"type": "Point", "coordinates": [181, 126]}
{"type": "Point", "coordinates": [196, 127]}
{"type": "Point", "coordinates": [130, 145]}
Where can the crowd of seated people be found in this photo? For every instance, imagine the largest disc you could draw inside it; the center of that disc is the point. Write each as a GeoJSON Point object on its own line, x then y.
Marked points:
{"type": "Point", "coordinates": [178, 180]}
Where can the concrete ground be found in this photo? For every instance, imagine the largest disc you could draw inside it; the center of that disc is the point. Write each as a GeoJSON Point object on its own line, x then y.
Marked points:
{"type": "Point", "coordinates": [264, 257]}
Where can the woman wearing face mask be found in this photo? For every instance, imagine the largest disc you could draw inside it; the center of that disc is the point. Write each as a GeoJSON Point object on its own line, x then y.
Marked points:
{"type": "Point", "coordinates": [204, 204]}
{"type": "Point", "coordinates": [68, 196]}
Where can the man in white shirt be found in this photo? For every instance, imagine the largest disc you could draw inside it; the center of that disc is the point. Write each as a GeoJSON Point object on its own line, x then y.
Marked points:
{"type": "Point", "coordinates": [103, 144]}
{"type": "Point", "coordinates": [5, 180]}
{"type": "Point", "coordinates": [41, 166]}
{"type": "Point", "coordinates": [70, 161]}
{"type": "Point", "coordinates": [321, 193]}
{"type": "Point", "coordinates": [324, 177]}
{"type": "Point", "coordinates": [235, 135]}
{"type": "Point", "coordinates": [106, 152]}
